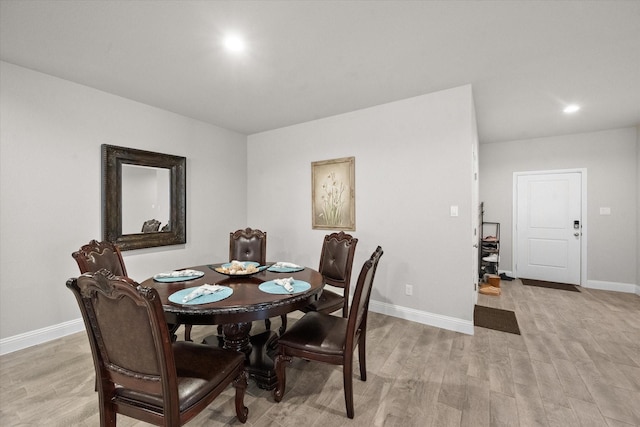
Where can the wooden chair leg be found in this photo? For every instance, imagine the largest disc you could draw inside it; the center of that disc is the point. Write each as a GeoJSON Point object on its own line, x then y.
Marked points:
{"type": "Point", "coordinates": [267, 324]}
{"type": "Point", "coordinates": [362, 356]}
{"type": "Point", "coordinates": [107, 415]}
{"type": "Point", "coordinates": [173, 327]}
{"type": "Point", "coordinates": [240, 384]}
{"type": "Point", "coordinates": [279, 366]}
{"type": "Point", "coordinates": [347, 373]}
{"type": "Point", "coordinates": [187, 332]}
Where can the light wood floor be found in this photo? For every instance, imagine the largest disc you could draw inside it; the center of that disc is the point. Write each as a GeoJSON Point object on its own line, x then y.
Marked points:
{"type": "Point", "coordinates": [577, 363]}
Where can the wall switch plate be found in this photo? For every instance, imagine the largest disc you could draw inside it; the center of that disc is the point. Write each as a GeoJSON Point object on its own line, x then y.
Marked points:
{"type": "Point", "coordinates": [605, 211]}
{"type": "Point", "coordinates": [454, 210]}
{"type": "Point", "coordinates": [408, 289]}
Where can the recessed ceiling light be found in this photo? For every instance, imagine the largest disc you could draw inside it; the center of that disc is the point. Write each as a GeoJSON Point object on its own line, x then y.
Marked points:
{"type": "Point", "coordinates": [234, 43]}
{"type": "Point", "coordinates": [571, 108]}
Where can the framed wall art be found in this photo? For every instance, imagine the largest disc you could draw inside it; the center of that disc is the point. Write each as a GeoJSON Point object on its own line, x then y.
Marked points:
{"type": "Point", "coordinates": [333, 194]}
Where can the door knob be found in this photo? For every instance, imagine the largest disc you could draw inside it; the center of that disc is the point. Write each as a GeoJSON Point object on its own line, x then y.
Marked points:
{"type": "Point", "coordinates": [576, 234]}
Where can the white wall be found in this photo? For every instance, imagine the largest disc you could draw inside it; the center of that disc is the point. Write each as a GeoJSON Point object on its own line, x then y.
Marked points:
{"type": "Point", "coordinates": [413, 161]}
{"type": "Point", "coordinates": [611, 160]}
{"type": "Point", "coordinates": [51, 132]}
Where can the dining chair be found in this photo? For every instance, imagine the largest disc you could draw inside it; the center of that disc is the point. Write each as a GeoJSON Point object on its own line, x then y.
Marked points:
{"type": "Point", "coordinates": [140, 372]}
{"type": "Point", "coordinates": [150, 226]}
{"type": "Point", "coordinates": [331, 339]}
{"type": "Point", "coordinates": [336, 262]}
{"type": "Point", "coordinates": [250, 245]}
{"type": "Point", "coordinates": [98, 255]}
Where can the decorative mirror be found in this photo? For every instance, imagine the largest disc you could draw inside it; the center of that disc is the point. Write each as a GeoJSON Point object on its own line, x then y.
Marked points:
{"type": "Point", "coordinates": [143, 198]}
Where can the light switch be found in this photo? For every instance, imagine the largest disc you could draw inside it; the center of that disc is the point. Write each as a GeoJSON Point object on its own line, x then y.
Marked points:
{"type": "Point", "coordinates": [454, 210]}
{"type": "Point", "coordinates": [605, 211]}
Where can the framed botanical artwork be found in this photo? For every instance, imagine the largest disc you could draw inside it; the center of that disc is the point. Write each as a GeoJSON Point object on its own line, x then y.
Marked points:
{"type": "Point", "coordinates": [333, 190]}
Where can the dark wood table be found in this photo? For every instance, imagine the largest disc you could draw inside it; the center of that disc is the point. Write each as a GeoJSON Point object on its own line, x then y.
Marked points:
{"type": "Point", "coordinates": [236, 313]}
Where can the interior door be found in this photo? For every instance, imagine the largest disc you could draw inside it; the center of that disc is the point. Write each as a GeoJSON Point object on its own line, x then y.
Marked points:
{"type": "Point", "coordinates": [549, 226]}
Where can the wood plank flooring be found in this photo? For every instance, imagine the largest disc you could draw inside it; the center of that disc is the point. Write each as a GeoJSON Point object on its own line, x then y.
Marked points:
{"type": "Point", "coordinates": [577, 363]}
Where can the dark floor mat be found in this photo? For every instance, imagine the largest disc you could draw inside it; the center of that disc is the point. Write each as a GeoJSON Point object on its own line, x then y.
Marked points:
{"type": "Point", "coordinates": [550, 285]}
{"type": "Point", "coordinates": [495, 318]}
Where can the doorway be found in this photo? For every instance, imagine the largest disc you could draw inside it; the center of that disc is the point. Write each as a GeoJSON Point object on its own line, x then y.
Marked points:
{"type": "Point", "coordinates": [550, 225]}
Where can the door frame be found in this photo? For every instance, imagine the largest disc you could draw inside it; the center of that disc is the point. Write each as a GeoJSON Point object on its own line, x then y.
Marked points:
{"type": "Point", "coordinates": [583, 208]}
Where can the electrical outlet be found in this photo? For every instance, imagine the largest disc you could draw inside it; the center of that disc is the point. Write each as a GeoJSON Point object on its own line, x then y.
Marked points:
{"type": "Point", "coordinates": [408, 289]}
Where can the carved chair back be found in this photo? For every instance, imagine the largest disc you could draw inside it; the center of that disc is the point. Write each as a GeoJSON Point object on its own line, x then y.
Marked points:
{"type": "Point", "coordinates": [336, 258]}
{"type": "Point", "coordinates": [97, 255]}
{"type": "Point", "coordinates": [336, 262]}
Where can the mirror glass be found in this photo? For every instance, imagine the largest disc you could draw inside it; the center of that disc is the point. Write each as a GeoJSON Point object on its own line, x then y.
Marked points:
{"type": "Point", "coordinates": [143, 198]}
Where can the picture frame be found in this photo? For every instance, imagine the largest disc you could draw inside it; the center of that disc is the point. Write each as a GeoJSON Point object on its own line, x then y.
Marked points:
{"type": "Point", "coordinates": [333, 205]}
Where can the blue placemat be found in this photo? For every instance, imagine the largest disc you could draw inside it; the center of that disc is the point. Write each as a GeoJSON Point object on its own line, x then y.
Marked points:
{"type": "Point", "coordinates": [271, 287]}
{"type": "Point", "coordinates": [275, 269]}
{"type": "Point", "coordinates": [166, 278]}
{"type": "Point", "coordinates": [176, 297]}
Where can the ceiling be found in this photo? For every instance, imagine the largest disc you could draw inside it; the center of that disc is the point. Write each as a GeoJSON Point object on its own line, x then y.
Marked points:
{"type": "Point", "coordinates": [307, 60]}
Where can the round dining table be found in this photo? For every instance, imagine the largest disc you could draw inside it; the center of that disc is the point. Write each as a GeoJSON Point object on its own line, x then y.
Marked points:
{"type": "Point", "coordinates": [246, 304]}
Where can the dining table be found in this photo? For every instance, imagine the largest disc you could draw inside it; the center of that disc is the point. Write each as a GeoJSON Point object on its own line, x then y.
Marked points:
{"type": "Point", "coordinates": [239, 300]}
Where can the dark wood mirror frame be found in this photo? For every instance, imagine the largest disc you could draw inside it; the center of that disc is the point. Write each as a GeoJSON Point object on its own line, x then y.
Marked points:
{"type": "Point", "coordinates": [112, 160]}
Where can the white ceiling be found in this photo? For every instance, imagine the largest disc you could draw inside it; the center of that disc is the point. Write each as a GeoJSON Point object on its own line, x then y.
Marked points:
{"type": "Point", "coordinates": [311, 59]}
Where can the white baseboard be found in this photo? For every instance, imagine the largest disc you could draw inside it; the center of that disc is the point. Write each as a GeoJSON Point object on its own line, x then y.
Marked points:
{"type": "Point", "coordinates": [426, 318]}
{"type": "Point", "coordinates": [39, 336]}
{"type": "Point", "coordinates": [629, 288]}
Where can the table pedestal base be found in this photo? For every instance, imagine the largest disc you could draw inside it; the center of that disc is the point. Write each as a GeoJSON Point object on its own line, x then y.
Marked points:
{"type": "Point", "coordinates": [260, 351]}
{"type": "Point", "coordinates": [260, 365]}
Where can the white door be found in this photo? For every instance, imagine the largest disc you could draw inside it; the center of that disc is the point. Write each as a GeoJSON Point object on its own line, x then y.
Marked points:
{"type": "Point", "coordinates": [549, 226]}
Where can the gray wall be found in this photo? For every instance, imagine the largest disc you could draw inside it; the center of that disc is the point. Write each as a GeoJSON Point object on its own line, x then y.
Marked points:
{"type": "Point", "coordinates": [611, 160]}
{"type": "Point", "coordinates": [413, 161]}
{"type": "Point", "coordinates": [50, 141]}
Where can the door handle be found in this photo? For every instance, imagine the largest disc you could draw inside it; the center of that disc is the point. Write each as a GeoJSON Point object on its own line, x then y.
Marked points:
{"type": "Point", "coordinates": [577, 234]}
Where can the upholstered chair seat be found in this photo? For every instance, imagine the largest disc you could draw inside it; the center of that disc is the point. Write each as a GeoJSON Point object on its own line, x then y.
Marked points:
{"type": "Point", "coordinates": [328, 302]}
{"type": "Point", "coordinates": [198, 368]}
{"type": "Point", "coordinates": [95, 256]}
{"type": "Point", "coordinates": [317, 333]}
